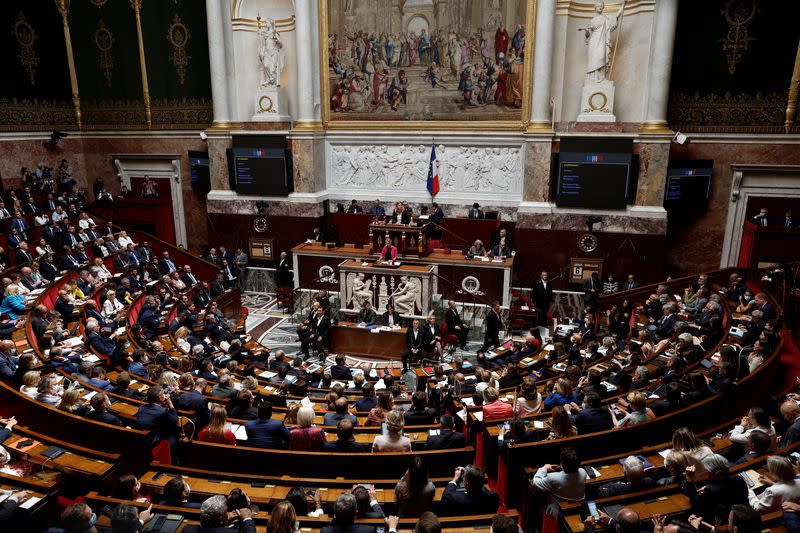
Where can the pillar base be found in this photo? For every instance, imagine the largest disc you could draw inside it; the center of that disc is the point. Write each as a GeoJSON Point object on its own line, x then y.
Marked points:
{"type": "Point", "coordinates": [308, 125]}
{"type": "Point", "coordinates": [597, 102]}
{"type": "Point", "coordinates": [539, 126]}
{"type": "Point", "coordinates": [655, 127]}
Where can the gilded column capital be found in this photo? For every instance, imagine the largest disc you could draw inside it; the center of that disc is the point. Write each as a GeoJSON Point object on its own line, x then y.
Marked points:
{"type": "Point", "coordinates": [63, 7]}
{"type": "Point", "coordinates": [136, 5]}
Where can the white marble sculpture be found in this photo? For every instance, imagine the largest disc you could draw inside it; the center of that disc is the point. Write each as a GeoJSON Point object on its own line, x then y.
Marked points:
{"type": "Point", "coordinates": [361, 291]}
{"type": "Point", "coordinates": [478, 169]}
{"type": "Point", "coordinates": [406, 296]}
{"type": "Point", "coordinates": [269, 54]}
{"type": "Point", "coordinates": [597, 96]}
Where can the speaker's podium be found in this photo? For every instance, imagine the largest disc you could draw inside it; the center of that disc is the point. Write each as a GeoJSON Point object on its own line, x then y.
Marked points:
{"type": "Point", "coordinates": [408, 238]}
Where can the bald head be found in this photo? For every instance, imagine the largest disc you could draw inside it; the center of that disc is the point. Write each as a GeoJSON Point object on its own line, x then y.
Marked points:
{"type": "Point", "coordinates": [628, 521]}
{"type": "Point", "coordinates": [790, 410]}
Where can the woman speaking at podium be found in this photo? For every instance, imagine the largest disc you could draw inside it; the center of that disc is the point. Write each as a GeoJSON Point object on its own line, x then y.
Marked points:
{"type": "Point", "coordinates": [389, 252]}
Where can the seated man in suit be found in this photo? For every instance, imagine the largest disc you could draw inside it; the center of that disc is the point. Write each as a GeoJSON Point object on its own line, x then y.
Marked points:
{"type": "Point", "coordinates": [166, 265]}
{"type": "Point", "coordinates": [475, 211]}
{"type": "Point", "coordinates": [340, 370]}
{"type": "Point", "coordinates": [635, 480]}
{"type": "Point", "coordinates": [100, 410]}
{"type": "Point", "coordinates": [96, 340]}
{"type": "Point", "coordinates": [266, 432]}
{"type": "Point", "coordinates": [148, 321]}
{"type": "Point", "coordinates": [564, 484]}
{"type": "Point", "coordinates": [455, 326]}
{"type": "Point", "coordinates": [341, 413]}
{"type": "Point", "coordinates": [419, 414]}
{"type": "Point", "coordinates": [665, 325]}
{"type": "Point", "coordinates": [592, 416]}
{"type": "Point", "coordinates": [477, 499]}
{"type": "Point", "coordinates": [215, 331]}
{"type": "Point", "coordinates": [501, 249]}
{"type": "Point", "coordinates": [447, 438]}
{"type": "Point", "coordinates": [193, 400]}
{"type": "Point", "coordinates": [344, 443]}
{"type": "Point", "coordinates": [367, 316]}
{"type": "Point", "coordinates": [390, 318]}
{"type": "Point", "coordinates": [158, 416]}
{"type": "Point", "coordinates": [99, 379]}
{"type": "Point", "coordinates": [344, 516]}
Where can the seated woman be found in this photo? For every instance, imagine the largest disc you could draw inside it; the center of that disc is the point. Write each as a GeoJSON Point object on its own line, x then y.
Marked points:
{"type": "Point", "coordinates": [181, 336]}
{"type": "Point", "coordinates": [73, 402]}
{"type": "Point", "coordinates": [14, 303]}
{"type": "Point", "coordinates": [50, 390]}
{"type": "Point", "coordinates": [377, 415]}
{"type": "Point", "coordinates": [111, 306]}
{"type": "Point", "coordinates": [529, 402]}
{"type": "Point", "coordinates": [561, 424]}
{"type": "Point", "coordinates": [393, 441]}
{"type": "Point", "coordinates": [639, 412]}
{"type": "Point", "coordinates": [562, 394]}
{"type": "Point", "coordinates": [306, 437]}
{"type": "Point", "coordinates": [414, 492]}
{"type": "Point", "coordinates": [216, 431]}
{"type": "Point", "coordinates": [30, 383]}
{"type": "Point", "coordinates": [781, 486]}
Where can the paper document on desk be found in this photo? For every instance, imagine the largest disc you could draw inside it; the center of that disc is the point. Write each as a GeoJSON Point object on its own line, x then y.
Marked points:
{"type": "Point", "coordinates": [72, 342]}
{"type": "Point", "coordinates": [30, 502]}
{"type": "Point", "coordinates": [538, 424]}
{"type": "Point", "coordinates": [239, 431]}
{"type": "Point", "coordinates": [268, 374]}
{"type": "Point", "coordinates": [90, 358]}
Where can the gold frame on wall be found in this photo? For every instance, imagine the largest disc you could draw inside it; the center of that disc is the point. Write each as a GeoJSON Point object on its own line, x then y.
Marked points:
{"type": "Point", "coordinates": [428, 125]}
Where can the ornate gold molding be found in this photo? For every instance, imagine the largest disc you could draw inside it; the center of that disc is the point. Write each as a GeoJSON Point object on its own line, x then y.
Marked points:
{"type": "Point", "coordinates": [655, 127]}
{"type": "Point", "coordinates": [737, 40]}
{"type": "Point", "coordinates": [26, 39]}
{"type": "Point", "coordinates": [103, 40]}
{"type": "Point", "coordinates": [308, 125]}
{"type": "Point", "coordinates": [794, 93]}
{"type": "Point", "coordinates": [35, 115]}
{"type": "Point", "coordinates": [114, 115]}
{"type": "Point", "coordinates": [539, 126]}
{"type": "Point", "coordinates": [183, 113]}
{"type": "Point", "coordinates": [137, 10]}
{"type": "Point", "coordinates": [178, 36]}
{"type": "Point", "coordinates": [714, 113]}
{"type": "Point", "coordinates": [63, 9]}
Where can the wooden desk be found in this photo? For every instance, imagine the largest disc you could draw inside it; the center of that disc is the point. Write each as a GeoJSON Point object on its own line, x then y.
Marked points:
{"type": "Point", "coordinates": [409, 239]}
{"type": "Point", "coordinates": [347, 338]}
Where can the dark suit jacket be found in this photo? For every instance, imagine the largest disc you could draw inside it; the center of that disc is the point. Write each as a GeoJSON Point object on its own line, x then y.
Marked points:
{"type": "Point", "coordinates": [493, 324]}
{"type": "Point", "coordinates": [452, 319]}
{"type": "Point", "coordinates": [415, 343]}
{"type": "Point", "coordinates": [48, 270]}
{"type": "Point", "coordinates": [384, 319]}
{"type": "Point", "coordinates": [792, 434]}
{"type": "Point", "coordinates": [455, 502]}
{"type": "Point", "coordinates": [593, 419]}
{"type": "Point", "coordinates": [344, 446]}
{"type": "Point", "coordinates": [163, 267]}
{"type": "Point", "coordinates": [100, 344]}
{"type": "Point", "coordinates": [419, 418]}
{"type": "Point", "coordinates": [156, 418]}
{"type": "Point", "coordinates": [346, 528]}
{"type": "Point", "coordinates": [341, 372]}
{"type": "Point", "coordinates": [196, 402]}
{"type": "Point", "coordinates": [248, 527]}
{"type": "Point", "coordinates": [542, 296]}
{"type": "Point", "coordinates": [323, 328]}
{"type": "Point", "coordinates": [367, 317]}
{"type": "Point", "coordinates": [104, 417]}
{"type": "Point", "coordinates": [446, 440]}
{"type": "Point", "coordinates": [267, 434]}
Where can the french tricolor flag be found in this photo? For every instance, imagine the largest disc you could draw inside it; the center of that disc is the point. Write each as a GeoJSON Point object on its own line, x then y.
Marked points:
{"type": "Point", "coordinates": [433, 173]}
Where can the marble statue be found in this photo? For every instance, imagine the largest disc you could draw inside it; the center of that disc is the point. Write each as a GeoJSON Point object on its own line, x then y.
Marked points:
{"type": "Point", "coordinates": [598, 40]}
{"type": "Point", "coordinates": [393, 167]}
{"type": "Point", "coordinates": [269, 53]}
{"type": "Point", "coordinates": [361, 291]}
{"type": "Point", "coordinates": [406, 296]}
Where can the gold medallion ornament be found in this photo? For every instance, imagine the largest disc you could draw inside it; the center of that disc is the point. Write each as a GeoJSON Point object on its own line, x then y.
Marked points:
{"type": "Point", "coordinates": [588, 242]}
{"type": "Point", "coordinates": [104, 41]}
{"type": "Point", "coordinates": [178, 36]}
{"type": "Point", "coordinates": [26, 38]}
{"type": "Point", "coordinates": [260, 225]}
{"type": "Point", "coordinates": [265, 104]}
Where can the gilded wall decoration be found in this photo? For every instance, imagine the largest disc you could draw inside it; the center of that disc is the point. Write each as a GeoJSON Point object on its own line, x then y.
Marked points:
{"type": "Point", "coordinates": [35, 115]}
{"type": "Point", "coordinates": [99, 3]}
{"type": "Point", "coordinates": [182, 113]}
{"type": "Point", "coordinates": [714, 113]}
{"type": "Point", "coordinates": [26, 39]}
{"type": "Point", "coordinates": [738, 15]}
{"type": "Point", "coordinates": [178, 36]}
{"type": "Point", "coordinates": [114, 115]}
{"type": "Point", "coordinates": [103, 40]}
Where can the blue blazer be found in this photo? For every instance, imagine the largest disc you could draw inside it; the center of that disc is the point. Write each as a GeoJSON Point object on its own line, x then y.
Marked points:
{"type": "Point", "coordinates": [267, 434]}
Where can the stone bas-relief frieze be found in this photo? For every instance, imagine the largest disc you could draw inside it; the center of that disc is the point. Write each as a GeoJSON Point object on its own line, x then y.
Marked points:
{"type": "Point", "coordinates": [468, 169]}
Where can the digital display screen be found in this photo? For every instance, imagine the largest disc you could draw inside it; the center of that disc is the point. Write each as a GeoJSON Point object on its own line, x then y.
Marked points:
{"type": "Point", "coordinates": [687, 185]}
{"type": "Point", "coordinates": [598, 181]}
{"type": "Point", "coordinates": [260, 171]}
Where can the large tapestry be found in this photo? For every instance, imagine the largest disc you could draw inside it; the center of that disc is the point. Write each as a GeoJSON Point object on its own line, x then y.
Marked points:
{"type": "Point", "coordinates": [426, 60]}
